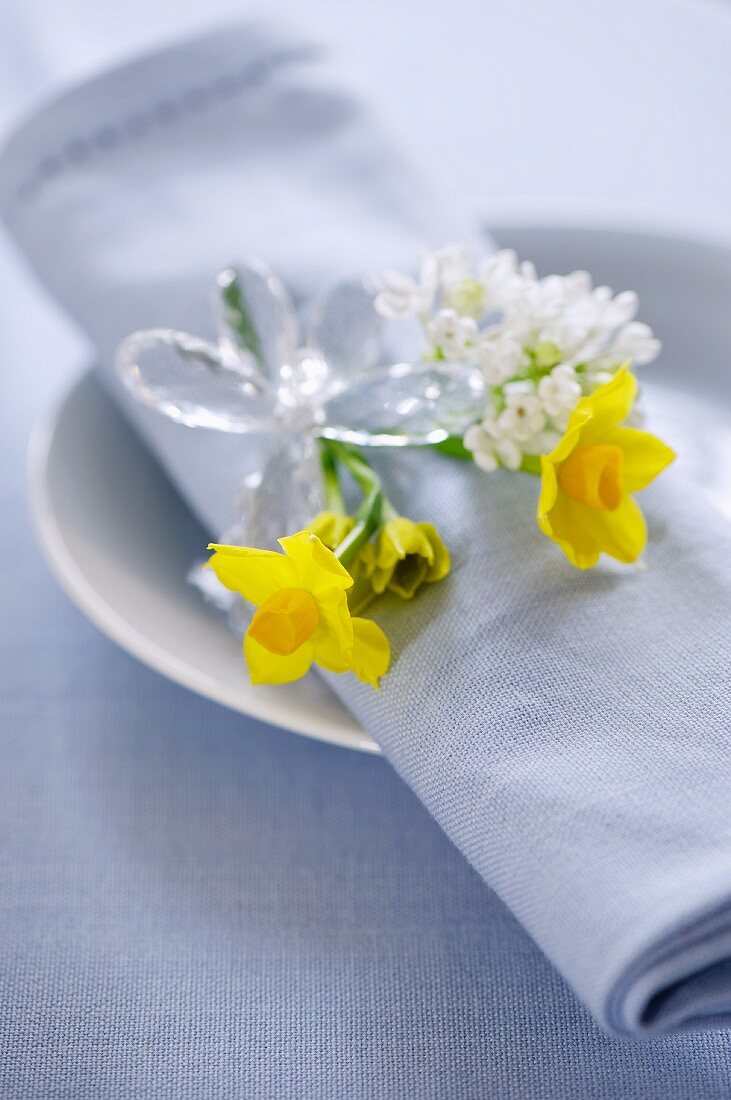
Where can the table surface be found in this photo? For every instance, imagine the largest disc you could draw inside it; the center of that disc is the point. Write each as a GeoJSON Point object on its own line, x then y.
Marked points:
{"type": "Point", "coordinates": [194, 904]}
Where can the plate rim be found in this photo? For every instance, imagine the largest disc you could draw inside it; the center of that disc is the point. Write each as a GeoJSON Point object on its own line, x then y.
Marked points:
{"type": "Point", "coordinates": [74, 582]}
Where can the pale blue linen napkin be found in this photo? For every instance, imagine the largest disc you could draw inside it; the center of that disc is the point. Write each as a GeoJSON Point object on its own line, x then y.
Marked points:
{"type": "Point", "coordinates": [571, 733]}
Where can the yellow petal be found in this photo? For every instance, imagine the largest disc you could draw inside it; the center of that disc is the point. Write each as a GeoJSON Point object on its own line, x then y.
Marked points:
{"type": "Point", "coordinates": [285, 621]}
{"type": "Point", "coordinates": [592, 475]}
{"type": "Point", "coordinates": [256, 574]}
{"type": "Point", "coordinates": [367, 558]}
{"type": "Point", "coordinates": [361, 570]}
{"type": "Point", "coordinates": [645, 456]}
{"type": "Point", "coordinates": [566, 523]}
{"type": "Point", "coordinates": [316, 567]}
{"type": "Point", "coordinates": [579, 418]}
{"type": "Point", "coordinates": [442, 563]}
{"type": "Point", "coordinates": [333, 639]}
{"type": "Point", "coordinates": [379, 578]}
{"type": "Point", "coordinates": [371, 652]}
{"type": "Point", "coordinates": [585, 533]}
{"type": "Point", "coordinates": [610, 404]}
{"type": "Point", "coordinates": [622, 533]}
{"type": "Point", "coordinates": [333, 661]}
{"type": "Point", "coordinates": [407, 554]}
{"type": "Point", "coordinates": [560, 518]}
{"type": "Point", "coordinates": [400, 537]}
{"type": "Point", "coordinates": [331, 528]}
{"type": "Point", "coordinates": [549, 491]}
{"type": "Point", "coordinates": [360, 596]}
{"type": "Point", "coordinates": [386, 555]}
{"type": "Point", "coordinates": [269, 668]}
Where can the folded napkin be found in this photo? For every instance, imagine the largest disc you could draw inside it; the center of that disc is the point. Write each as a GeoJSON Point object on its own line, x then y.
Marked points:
{"type": "Point", "coordinates": [570, 731]}
{"type": "Point", "coordinates": [130, 193]}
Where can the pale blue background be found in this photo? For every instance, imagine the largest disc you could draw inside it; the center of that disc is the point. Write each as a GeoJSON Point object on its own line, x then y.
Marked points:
{"type": "Point", "coordinates": [196, 905]}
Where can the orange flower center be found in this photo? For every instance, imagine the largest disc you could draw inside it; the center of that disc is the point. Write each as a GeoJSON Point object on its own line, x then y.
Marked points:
{"type": "Point", "coordinates": [285, 621]}
{"type": "Point", "coordinates": [593, 476]}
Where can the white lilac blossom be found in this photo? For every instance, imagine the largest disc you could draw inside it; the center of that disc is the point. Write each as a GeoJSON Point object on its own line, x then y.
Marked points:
{"type": "Point", "coordinates": [400, 295]}
{"type": "Point", "coordinates": [501, 278]}
{"type": "Point", "coordinates": [523, 416]}
{"type": "Point", "coordinates": [491, 290]}
{"type": "Point", "coordinates": [499, 355]}
{"type": "Point", "coordinates": [451, 335]}
{"type": "Point", "coordinates": [635, 341]}
{"type": "Point", "coordinates": [452, 263]}
{"type": "Point", "coordinates": [559, 391]}
{"type": "Point", "coordinates": [491, 448]}
{"type": "Point", "coordinates": [541, 343]}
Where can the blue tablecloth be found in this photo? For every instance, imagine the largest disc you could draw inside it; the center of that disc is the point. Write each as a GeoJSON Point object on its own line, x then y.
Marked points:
{"type": "Point", "coordinates": [197, 905]}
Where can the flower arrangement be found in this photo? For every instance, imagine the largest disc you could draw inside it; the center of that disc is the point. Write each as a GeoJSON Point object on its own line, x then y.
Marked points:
{"type": "Point", "coordinates": [556, 354]}
{"type": "Point", "coordinates": [517, 373]}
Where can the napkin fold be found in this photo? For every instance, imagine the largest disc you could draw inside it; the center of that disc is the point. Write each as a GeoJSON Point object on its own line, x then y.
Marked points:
{"type": "Point", "coordinates": [569, 731]}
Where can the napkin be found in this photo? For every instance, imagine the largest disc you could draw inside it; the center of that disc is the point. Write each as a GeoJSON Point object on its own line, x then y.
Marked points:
{"type": "Point", "coordinates": [131, 192]}
{"type": "Point", "coordinates": [569, 731]}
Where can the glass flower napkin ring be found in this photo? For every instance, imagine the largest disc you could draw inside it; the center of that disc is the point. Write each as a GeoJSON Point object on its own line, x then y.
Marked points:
{"type": "Point", "coordinates": [520, 374]}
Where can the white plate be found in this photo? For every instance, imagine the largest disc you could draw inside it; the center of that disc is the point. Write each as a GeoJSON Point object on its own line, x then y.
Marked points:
{"type": "Point", "coordinates": [121, 540]}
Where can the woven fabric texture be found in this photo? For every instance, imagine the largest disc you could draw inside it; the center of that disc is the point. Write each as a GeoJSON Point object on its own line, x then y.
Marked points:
{"type": "Point", "coordinates": [197, 905]}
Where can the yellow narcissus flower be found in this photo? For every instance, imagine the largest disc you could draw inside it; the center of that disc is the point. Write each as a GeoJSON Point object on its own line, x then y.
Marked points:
{"type": "Point", "coordinates": [404, 555]}
{"type": "Point", "coordinates": [331, 528]}
{"type": "Point", "coordinates": [302, 612]}
{"type": "Point", "coordinates": [586, 504]}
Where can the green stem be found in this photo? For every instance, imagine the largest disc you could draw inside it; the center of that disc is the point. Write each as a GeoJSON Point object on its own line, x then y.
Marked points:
{"type": "Point", "coordinates": [368, 516]}
{"type": "Point", "coordinates": [388, 511]}
{"type": "Point", "coordinates": [367, 520]}
{"type": "Point", "coordinates": [531, 464]}
{"type": "Point", "coordinates": [353, 461]}
{"type": "Point", "coordinates": [333, 498]}
{"type": "Point", "coordinates": [453, 447]}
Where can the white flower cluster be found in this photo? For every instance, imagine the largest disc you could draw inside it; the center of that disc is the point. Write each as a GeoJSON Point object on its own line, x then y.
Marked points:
{"type": "Point", "coordinates": [541, 343]}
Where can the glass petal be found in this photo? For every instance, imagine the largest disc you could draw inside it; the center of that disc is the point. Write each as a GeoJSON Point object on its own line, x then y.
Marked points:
{"type": "Point", "coordinates": [303, 379]}
{"type": "Point", "coordinates": [194, 382]}
{"type": "Point", "coordinates": [254, 312]}
{"type": "Point", "coordinates": [346, 328]}
{"type": "Point", "coordinates": [405, 405]}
